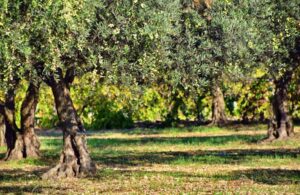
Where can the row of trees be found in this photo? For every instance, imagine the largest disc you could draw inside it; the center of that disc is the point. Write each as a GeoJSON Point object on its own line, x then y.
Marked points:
{"type": "Point", "coordinates": [183, 46]}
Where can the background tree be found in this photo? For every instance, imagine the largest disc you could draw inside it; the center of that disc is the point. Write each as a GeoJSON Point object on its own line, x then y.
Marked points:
{"type": "Point", "coordinates": [213, 45]}
{"type": "Point", "coordinates": [279, 36]}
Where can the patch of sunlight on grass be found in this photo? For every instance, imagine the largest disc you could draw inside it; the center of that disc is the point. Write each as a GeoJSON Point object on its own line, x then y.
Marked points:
{"type": "Point", "coordinates": [272, 161]}
{"type": "Point", "coordinates": [20, 164]}
{"type": "Point", "coordinates": [51, 144]}
{"type": "Point", "coordinates": [174, 141]}
{"type": "Point", "coordinates": [31, 161]}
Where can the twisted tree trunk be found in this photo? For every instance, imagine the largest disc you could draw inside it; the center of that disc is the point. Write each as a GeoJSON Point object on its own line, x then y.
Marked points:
{"type": "Point", "coordinates": [280, 124]}
{"type": "Point", "coordinates": [218, 106]}
{"type": "Point", "coordinates": [22, 143]}
{"type": "Point", "coordinates": [75, 159]}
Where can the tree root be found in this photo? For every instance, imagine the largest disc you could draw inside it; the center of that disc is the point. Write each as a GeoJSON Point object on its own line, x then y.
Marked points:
{"type": "Point", "coordinates": [74, 160]}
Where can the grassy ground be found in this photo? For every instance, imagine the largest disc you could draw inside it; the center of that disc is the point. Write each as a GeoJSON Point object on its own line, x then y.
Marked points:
{"type": "Point", "coordinates": [197, 160]}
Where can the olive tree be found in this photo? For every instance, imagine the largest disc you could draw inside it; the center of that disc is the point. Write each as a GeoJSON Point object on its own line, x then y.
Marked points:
{"type": "Point", "coordinates": [20, 139]}
{"type": "Point", "coordinates": [123, 41]}
{"type": "Point", "coordinates": [279, 36]}
{"type": "Point", "coordinates": [58, 32]}
{"type": "Point", "coordinates": [214, 45]}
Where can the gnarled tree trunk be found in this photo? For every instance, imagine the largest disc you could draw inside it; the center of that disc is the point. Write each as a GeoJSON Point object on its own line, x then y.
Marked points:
{"type": "Point", "coordinates": [75, 159]}
{"type": "Point", "coordinates": [218, 106]}
{"type": "Point", "coordinates": [22, 143]}
{"type": "Point", "coordinates": [280, 124]}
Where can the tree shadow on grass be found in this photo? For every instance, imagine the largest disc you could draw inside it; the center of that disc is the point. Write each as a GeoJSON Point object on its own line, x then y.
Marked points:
{"type": "Point", "coordinates": [32, 189]}
{"type": "Point", "coordinates": [16, 176]}
{"type": "Point", "coordinates": [19, 190]}
{"type": "Point", "coordinates": [7, 175]}
{"type": "Point", "coordinates": [265, 176]}
{"type": "Point", "coordinates": [235, 156]}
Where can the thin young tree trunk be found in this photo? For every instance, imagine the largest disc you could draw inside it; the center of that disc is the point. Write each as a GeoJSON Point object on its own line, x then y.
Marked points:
{"type": "Point", "coordinates": [75, 159]}
{"type": "Point", "coordinates": [218, 106]}
{"type": "Point", "coordinates": [281, 124]}
{"type": "Point", "coordinates": [23, 142]}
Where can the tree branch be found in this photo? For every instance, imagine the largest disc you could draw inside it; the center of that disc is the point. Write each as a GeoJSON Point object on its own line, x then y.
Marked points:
{"type": "Point", "coordinates": [70, 75]}
{"type": "Point", "coordinates": [47, 78]}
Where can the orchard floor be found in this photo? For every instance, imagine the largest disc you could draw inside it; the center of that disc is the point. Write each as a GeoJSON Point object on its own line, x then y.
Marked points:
{"type": "Point", "coordinates": [191, 160]}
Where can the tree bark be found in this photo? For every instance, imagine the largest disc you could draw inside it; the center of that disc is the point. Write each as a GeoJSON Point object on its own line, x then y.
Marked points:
{"type": "Point", "coordinates": [2, 131]}
{"type": "Point", "coordinates": [22, 143]}
{"type": "Point", "coordinates": [31, 142]}
{"type": "Point", "coordinates": [11, 127]}
{"type": "Point", "coordinates": [218, 106]}
{"type": "Point", "coordinates": [75, 159]}
{"type": "Point", "coordinates": [280, 124]}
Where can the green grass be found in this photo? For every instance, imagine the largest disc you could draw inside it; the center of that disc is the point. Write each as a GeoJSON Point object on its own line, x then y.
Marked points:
{"type": "Point", "coordinates": [194, 160]}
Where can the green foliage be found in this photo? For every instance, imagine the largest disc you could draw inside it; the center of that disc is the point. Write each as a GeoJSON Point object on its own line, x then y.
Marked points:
{"type": "Point", "coordinates": [150, 106]}
{"type": "Point", "coordinates": [167, 54]}
{"type": "Point", "coordinates": [278, 35]}
{"type": "Point", "coordinates": [129, 39]}
{"type": "Point", "coordinates": [107, 115]}
{"type": "Point", "coordinates": [46, 116]}
{"type": "Point", "coordinates": [254, 103]}
{"type": "Point", "coordinates": [59, 32]}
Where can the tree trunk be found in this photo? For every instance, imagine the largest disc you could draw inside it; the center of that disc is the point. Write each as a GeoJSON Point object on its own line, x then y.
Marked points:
{"type": "Point", "coordinates": [11, 127]}
{"type": "Point", "coordinates": [31, 142]}
{"type": "Point", "coordinates": [218, 106]}
{"type": "Point", "coordinates": [199, 108]}
{"type": "Point", "coordinates": [23, 142]}
{"type": "Point", "coordinates": [172, 117]}
{"type": "Point", "coordinates": [75, 159]}
{"type": "Point", "coordinates": [280, 124]}
{"type": "Point", "coordinates": [2, 131]}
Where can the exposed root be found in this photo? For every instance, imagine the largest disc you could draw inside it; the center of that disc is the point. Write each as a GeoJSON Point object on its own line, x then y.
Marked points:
{"type": "Point", "coordinates": [74, 160]}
